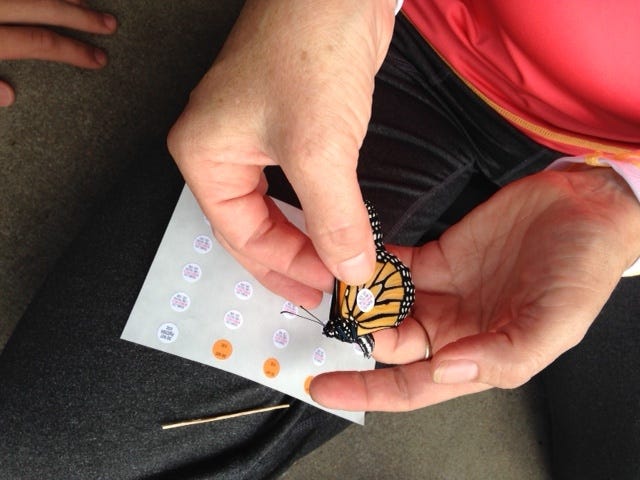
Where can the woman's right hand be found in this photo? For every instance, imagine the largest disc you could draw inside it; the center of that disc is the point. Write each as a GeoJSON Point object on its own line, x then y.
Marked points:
{"type": "Point", "coordinates": [292, 87]}
{"type": "Point", "coordinates": [20, 38]}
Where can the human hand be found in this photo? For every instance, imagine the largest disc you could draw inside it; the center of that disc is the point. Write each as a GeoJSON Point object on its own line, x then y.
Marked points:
{"type": "Point", "coordinates": [502, 294]}
{"type": "Point", "coordinates": [291, 87]}
{"type": "Point", "coordinates": [20, 39]}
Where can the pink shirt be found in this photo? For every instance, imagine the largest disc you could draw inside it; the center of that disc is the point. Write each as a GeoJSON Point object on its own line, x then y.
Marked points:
{"type": "Point", "coordinates": [565, 72]}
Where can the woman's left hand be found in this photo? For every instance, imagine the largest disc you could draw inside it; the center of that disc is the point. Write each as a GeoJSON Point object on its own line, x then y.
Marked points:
{"type": "Point", "coordinates": [21, 39]}
{"type": "Point", "coordinates": [502, 294]}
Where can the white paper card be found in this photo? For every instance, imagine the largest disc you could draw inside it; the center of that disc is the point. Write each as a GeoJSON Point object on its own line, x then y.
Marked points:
{"type": "Point", "coordinates": [197, 302]}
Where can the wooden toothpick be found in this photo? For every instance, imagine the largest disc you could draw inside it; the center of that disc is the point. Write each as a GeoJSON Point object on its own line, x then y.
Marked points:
{"type": "Point", "coordinates": [197, 421]}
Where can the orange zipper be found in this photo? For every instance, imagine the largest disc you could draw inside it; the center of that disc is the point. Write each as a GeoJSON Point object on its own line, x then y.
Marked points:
{"type": "Point", "coordinates": [541, 131]}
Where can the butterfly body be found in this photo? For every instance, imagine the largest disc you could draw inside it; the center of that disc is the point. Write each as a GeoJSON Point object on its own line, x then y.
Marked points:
{"type": "Point", "coordinates": [383, 302]}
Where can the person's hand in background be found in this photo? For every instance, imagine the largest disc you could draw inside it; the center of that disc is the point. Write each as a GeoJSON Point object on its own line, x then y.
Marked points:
{"type": "Point", "coordinates": [24, 34]}
{"type": "Point", "coordinates": [291, 87]}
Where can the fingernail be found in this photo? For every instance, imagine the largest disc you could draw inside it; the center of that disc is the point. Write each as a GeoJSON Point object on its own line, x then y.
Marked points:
{"type": "Point", "coordinates": [355, 270]}
{"type": "Point", "coordinates": [100, 57]}
{"type": "Point", "coordinates": [456, 371]}
{"type": "Point", "coordinates": [109, 21]}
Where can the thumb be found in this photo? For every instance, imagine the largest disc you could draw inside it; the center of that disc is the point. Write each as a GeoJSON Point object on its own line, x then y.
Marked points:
{"type": "Point", "coordinates": [336, 218]}
{"type": "Point", "coordinates": [507, 358]}
{"type": "Point", "coordinates": [7, 95]}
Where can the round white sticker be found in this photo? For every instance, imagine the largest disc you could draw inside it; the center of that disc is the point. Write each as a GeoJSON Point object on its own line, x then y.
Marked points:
{"type": "Point", "coordinates": [365, 300]}
{"type": "Point", "coordinates": [202, 244]}
{"type": "Point", "coordinates": [180, 301]}
{"type": "Point", "coordinates": [191, 272]}
{"type": "Point", "coordinates": [168, 333]}
{"type": "Point", "coordinates": [319, 356]}
{"type": "Point", "coordinates": [289, 310]}
{"type": "Point", "coordinates": [233, 319]}
{"type": "Point", "coordinates": [243, 290]}
{"type": "Point", "coordinates": [281, 338]}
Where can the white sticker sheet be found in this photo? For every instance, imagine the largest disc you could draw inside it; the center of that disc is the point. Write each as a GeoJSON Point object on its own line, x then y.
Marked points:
{"type": "Point", "coordinates": [197, 302]}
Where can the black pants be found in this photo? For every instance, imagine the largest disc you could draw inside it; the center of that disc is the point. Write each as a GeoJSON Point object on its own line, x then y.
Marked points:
{"type": "Point", "coordinates": [78, 402]}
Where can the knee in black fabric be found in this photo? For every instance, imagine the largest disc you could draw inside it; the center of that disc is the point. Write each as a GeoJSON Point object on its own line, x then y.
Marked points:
{"type": "Point", "coordinates": [593, 395]}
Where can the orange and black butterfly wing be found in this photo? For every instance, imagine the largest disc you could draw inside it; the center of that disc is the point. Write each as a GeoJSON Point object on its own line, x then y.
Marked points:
{"type": "Point", "coordinates": [394, 295]}
{"type": "Point", "coordinates": [341, 324]}
{"type": "Point", "coordinates": [383, 302]}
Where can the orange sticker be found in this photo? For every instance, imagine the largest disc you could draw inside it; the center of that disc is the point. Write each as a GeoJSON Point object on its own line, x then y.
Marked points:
{"type": "Point", "coordinates": [271, 367]}
{"type": "Point", "coordinates": [222, 349]}
{"type": "Point", "coordinates": [307, 383]}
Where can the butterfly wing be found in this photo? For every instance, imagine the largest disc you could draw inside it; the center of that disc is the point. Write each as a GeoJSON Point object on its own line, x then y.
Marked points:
{"type": "Point", "coordinates": [341, 324]}
{"type": "Point", "coordinates": [383, 302]}
{"type": "Point", "coordinates": [393, 291]}
{"type": "Point", "coordinates": [391, 295]}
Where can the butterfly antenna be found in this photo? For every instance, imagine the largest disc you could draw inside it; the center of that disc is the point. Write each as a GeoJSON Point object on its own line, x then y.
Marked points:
{"type": "Point", "coordinates": [311, 317]}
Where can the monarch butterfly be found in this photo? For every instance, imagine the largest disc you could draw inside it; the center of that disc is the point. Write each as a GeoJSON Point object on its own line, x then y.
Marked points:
{"type": "Point", "coordinates": [383, 302]}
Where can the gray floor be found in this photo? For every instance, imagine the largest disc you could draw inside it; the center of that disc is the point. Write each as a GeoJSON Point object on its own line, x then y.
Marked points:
{"type": "Point", "coordinates": [71, 134]}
